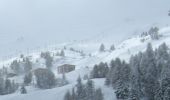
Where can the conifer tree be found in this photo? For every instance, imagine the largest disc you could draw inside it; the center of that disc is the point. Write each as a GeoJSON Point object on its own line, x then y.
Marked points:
{"type": "Point", "coordinates": [98, 95]}
{"type": "Point", "coordinates": [102, 48]}
{"type": "Point", "coordinates": [62, 53]}
{"type": "Point", "coordinates": [90, 90]}
{"type": "Point", "coordinates": [45, 78]}
{"type": "Point", "coordinates": [73, 96]}
{"type": "Point", "coordinates": [81, 94]}
{"type": "Point", "coordinates": [67, 96]}
{"type": "Point", "coordinates": [112, 48]}
{"type": "Point", "coordinates": [23, 90]}
{"type": "Point", "coordinates": [27, 65]}
{"type": "Point", "coordinates": [28, 78]}
{"type": "Point", "coordinates": [15, 66]}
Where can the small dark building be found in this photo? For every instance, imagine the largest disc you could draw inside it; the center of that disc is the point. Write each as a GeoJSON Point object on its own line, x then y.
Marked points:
{"type": "Point", "coordinates": [65, 68]}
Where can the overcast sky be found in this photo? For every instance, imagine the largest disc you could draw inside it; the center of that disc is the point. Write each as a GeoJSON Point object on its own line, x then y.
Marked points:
{"type": "Point", "coordinates": [62, 20]}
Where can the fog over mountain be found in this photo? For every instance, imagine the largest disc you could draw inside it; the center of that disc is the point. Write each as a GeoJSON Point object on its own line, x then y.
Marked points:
{"type": "Point", "coordinates": [84, 49]}
{"type": "Point", "coordinates": [40, 22]}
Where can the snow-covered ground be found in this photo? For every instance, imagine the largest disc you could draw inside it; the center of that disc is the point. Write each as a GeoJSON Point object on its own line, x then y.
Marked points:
{"type": "Point", "coordinates": [84, 64]}
{"type": "Point", "coordinates": [57, 93]}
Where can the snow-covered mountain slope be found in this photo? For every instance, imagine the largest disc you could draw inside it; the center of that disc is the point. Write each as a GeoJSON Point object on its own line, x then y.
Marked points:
{"type": "Point", "coordinates": [84, 63]}
{"type": "Point", "coordinates": [90, 50]}
{"type": "Point", "coordinates": [30, 24]}
{"type": "Point", "coordinates": [57, 93]}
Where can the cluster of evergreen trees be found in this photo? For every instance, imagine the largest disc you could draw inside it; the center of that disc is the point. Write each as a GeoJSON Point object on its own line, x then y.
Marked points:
{"type": "Point", "coordinates": [48, 59]}
{"type": "Point", "coordinates": [79, 51]}
{"type": "Point", "coordinates": [61, 53]}
{"type": "Point", "coordinates": [103, 49]}
{"type": "Point", "coordinates": [7, 86]}
{"type": "Point", "coordinates": [45, 79]}
{"type": "Point", "coordinates": [153, 33]}
{"type": "Point", "coordinates": [119, 77]}
{"type": "Point", "coordinates": [100, 71]}
{"type": "Point", "coordinates": [19, 67]}
{"type": "Point", "coordinates": [15, 66]}
{"type": "Point", "coordinates": [84, 92]}
{"type": "Point", "coordinates": [147, 75]}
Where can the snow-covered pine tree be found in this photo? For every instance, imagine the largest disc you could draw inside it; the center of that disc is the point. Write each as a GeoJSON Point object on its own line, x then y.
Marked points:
{"type": "Point", "coordinates": [108, 81]}
{"type": "Point", "coordinates": [84, 92]}
{"type": "Point", "coordinates": [134, 90]}
{"type": "Point", "coordinates": [98, 95]}
{"type": "Point", "coordinates": [112, 48]}
{"type": "Point", "coordinates": [122, 91]}
{"type": "Point", "coordinates": [102, 48]}
{"type": "Point", "coordinates": [28, 78]}
{"type": "Point", "coordinates": [62, 53]}
{"type": "Point", "coordinates": [153, 32]}
{"type": "Point", "coordinates": [27, 65]}
{"type": "Point", "coordinates": [165, 84]}
{"type": "Point", "coordinates": [48, 59]}
{"type": "Point", "coordinates": [80, 91]}
{"type": "Point", "coordinates": [90, 90]}
{"type": "Point", "coordinates": [67, 96]}
{"type": "Point", "coordinates": [162, 60]}
{"type": "Point", "coordinates": [94, 73]}
{"type": "Point", "coordinates": [100, 71]}
{"type": "Point", "coordinates": [2, 85]}
{"type": "Point", "coordinates": [167, 94]}
{"type": "Point", "coordinates": [73, 95]}
{"type": "Point", "coordinates": [15, 66]}
{"type": "Point", "coordinates": [150, 72]}
{"type": "Point", "coordinates": [8, 86]}
{"type": "Point", "coordinates": [23, 90]}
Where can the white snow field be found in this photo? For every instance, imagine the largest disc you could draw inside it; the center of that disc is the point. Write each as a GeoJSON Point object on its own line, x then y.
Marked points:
{"type": "Point", "coordinates": [57, 93]}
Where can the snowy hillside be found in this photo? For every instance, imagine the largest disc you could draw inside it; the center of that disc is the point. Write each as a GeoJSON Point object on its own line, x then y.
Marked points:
{"type": "Point", "coordinates": [29, 24]}
{"type": "Point", "coordinates": [84, 55]}
{"type": "Point", "coordinates": [57, 93]}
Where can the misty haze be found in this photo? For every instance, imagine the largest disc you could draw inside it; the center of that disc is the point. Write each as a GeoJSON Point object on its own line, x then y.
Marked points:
{"type": "Point", "coordinates": [85, 49]}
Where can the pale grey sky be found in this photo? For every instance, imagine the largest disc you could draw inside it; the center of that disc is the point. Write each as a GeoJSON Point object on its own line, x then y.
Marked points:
{"type": "Point", "coordinates": [73, 18]}
{"type": "Point", "coordinates": [43, 21]}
